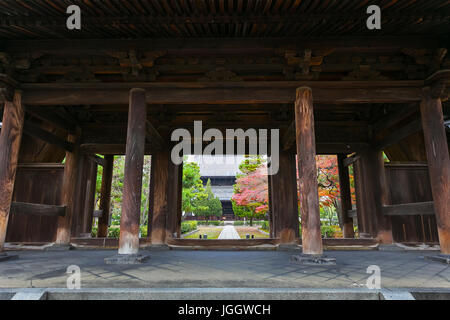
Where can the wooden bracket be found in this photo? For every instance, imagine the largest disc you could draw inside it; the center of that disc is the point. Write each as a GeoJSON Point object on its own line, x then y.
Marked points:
{"type": "Point", "coordinates": [437, 84]}
{"type": "Point", "coordinates": [7, 87]}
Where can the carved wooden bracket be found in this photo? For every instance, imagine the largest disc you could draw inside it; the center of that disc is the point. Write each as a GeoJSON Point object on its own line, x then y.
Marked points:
{"type": "Point", "coordinates": [220, 74]}
{"type": "Point", "coordinates": [364, 72]}
{"type": "Point", "coordinates": [136, 61]}
{"type": "Point", "coordinates": [432, 59]}
{"type": "Point", "coordinates": [308, 61]}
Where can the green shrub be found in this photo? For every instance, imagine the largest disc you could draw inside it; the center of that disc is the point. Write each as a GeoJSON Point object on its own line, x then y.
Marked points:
{"type": "Point", "coordinates": [94, 232]}
{"type": "Point", "coordinates": [259, 222]}
{"type": "Point", "coordinates": [114, 232]}
{"type": "Point", "coordinates": [239, 223]}
{"type": "Point", "coordinates": [265, 226]}
{"type": "Point", "coordinates": [144, 231]}
{"type": "Point", "coordinates": [188, 226]}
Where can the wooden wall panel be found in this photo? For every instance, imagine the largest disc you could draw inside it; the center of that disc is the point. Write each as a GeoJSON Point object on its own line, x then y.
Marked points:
{"type": "Point", "coordinates": [409, 183]}
{"type": "Point", "coordinates": [40, 184]}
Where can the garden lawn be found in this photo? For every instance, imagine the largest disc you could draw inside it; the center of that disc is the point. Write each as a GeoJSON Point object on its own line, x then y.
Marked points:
{"type": "Point", "coordinates": [243, 231]}
{"type": "Point", "coordinates": [212, 232]}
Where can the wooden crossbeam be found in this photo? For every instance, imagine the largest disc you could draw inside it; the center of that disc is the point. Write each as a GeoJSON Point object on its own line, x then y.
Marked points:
{"type": "Point", "coordinates": [350, 160]}
{"type": "Point", "coordinates": [153, 136]}
{"type": "Point", "coordinates": [224, 45]}
{"type": "Point", "coordinates": [35, 131]}
{"type": "Point", "coordinates": [37, 209]}
{"type": "Point", "coordinates": [252, 92]}
{"type": "Point", "coordinates": [52, 118]}
{"type": "Point", "coordinates": [404, 209]}
{"type": "Point", "coordinates": [409, 209]}
{"type": "Point", "coordinates": [400, 134]}
{"type": "Point", "coordinates": [98, 160]}
{"type": "Point", "coordinates": [394, 118]}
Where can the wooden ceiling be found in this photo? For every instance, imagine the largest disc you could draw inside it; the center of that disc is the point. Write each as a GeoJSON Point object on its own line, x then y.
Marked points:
{"type": "Point", "coordinates": [222, 47]}
{"type": "Point", "coordinates": [125, 19]}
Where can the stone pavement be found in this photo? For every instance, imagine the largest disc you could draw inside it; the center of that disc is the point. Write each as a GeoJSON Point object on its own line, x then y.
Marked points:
{"type": "Point", "coordinates": [223, 269]}
{"type": "Point", "coordinates": [229, 232]}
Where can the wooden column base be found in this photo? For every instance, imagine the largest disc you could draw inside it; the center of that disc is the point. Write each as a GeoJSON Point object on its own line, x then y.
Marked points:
{"type": "Point", "coordinates": [348, 230]}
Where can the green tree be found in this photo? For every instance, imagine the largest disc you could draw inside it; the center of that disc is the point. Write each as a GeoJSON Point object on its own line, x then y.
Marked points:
{"type": "Point", "coordinates": [193, 191]}
{"type": "Point", "coordinates": [207, 204]}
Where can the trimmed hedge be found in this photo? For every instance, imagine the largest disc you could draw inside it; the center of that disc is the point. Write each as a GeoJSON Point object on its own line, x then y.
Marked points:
{"type": "Point", "coordinates": [210, 223]}
{"type": "Point", "coordinates": [114, 232]}
{"type": "Point", "coordinates": [188, 226]}
{"type": "Point", "coordinates": [247, 223]}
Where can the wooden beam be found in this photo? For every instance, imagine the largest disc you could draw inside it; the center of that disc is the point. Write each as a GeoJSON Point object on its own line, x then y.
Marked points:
{"type": "Point", "coordinates": [98, 160]}
{"type": "Point", "coordinates": [436, 147]}
{"type": "Point", "coordinates": [134, 162]}
{"type": "Point", "coordinates": [38, 209]}
{"type": "Point", "coordinates": [223, 45]}
{"type": "Point", "coordinates": [52, 118]}
{"type": "Point", "coordinates": [348, 161]}
{"type": "Point", "coordinates": [306, 154]}
{"type": "Point", "coordinates": [111, 148]}
{"type": "Point", "coordinates": [351, 92]}
{"type": "Point", "coordinates": [398, 135]}
{"type": "Point", "coordinates": [409, 209]}
{"type": "Point", "coordinates": [153, 136]}
{"type": "Point", "coordinates": [394, 118]}
{"type": "Point", "coordinates": [10, 137]}
{"type": "Point", "coordinates": [404, 209]}
{"type": "Point", "coordinates": [35, 131]}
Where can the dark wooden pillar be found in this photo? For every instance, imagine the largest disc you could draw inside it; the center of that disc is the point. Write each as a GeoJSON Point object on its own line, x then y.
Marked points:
{"type": "Point", "coordinates": [346, 198]}
{"type": "Point", "coordinates": [159, 207]}
{"type": "Point", "coordinates": [308, 187]}
{"type": "Point", "coordinates": [84, 197]}
{"type": "Point", "coordinates": [284, 199]}
{"type": "Point", "coordinates": [364, 229]}
{"type": "Point", "coordinates": [134, 163]}
{"type": "Point", "coordinates": [173, 200]}
{"type": "Point", "coordinates": [105, 196]}
{"type": "Point", "coordinates": [179, 201]}
{"type": "Point", "coordinates": [90, 199]}
{"type": "Point", "coordinates": [371, 195]}
{"type": "Point", "coordinates": [438, 160]}
{"type": "Point", "coordinates": [271, 214]}
{"type": "Point", "coordinates": [69, 191]}
{"type": "Point", "coordinates": [10, 137]}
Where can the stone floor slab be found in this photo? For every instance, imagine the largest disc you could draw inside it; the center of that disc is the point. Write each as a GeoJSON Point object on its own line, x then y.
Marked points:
{"type": "Point", "coordinates": [223, 269]}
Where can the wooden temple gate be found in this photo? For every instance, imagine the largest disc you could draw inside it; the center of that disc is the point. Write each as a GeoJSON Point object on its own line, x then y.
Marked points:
{"type": "Point", "coordinates": [327, 92]}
